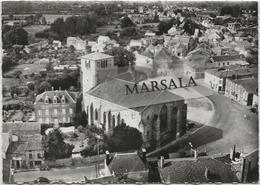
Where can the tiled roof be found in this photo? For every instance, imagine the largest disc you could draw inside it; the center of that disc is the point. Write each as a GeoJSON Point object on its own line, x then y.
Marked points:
{"type": "Point", "coordinates": [235, 70]}
{"type": "Point", "coordinates": [114, 90]}
{"type": "Point", "coordinates": [33, 143]}
{"type": "Point", "coordinates": [96, 56]}
{"type": "Point", "coordinates": [126, 162]}
{"type": "Point", "coordinates": [69, 96]}
{"type": "Point", "coordinates": [189, 170]}
{"type": "Point", "coordinates": [222, 58]}
{"type": "Point", "coordinates": [17, 127]}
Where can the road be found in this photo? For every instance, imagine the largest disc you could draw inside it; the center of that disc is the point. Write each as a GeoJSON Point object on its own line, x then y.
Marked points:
{"type": "Point", "coordinates": [229, 117]}
{"type": "Point", "coordinates": [64, 174]}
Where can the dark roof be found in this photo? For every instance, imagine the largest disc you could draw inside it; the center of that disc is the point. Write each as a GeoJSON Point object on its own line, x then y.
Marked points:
{"type": "Point", "coordinates": [222, 58]}
{"type": "Point", "coordinates": [233, 70]}
{"type": "Point", "coordinates": [190, 170]}
{"type": "Point", "coordinates": [33, 143]}
{"type": "Point", "coordinates": [30, 128]}
{"type": "Point", "coordinates": [126, 162]}
{"type": "Point", "coordinates": [70, 97]}
{"type": "Point", "coordinates": [114, 90]}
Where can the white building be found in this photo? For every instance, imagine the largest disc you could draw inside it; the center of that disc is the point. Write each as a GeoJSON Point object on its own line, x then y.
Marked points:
{"type": "Point", "coordinates": [76, 42]}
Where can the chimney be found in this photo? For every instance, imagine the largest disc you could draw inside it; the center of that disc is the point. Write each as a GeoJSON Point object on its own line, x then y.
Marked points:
{"type": "Point", "coordinates": [161, 162]}
{"type": "Point", "coordinates": [144, 154]}
{"type": "Point", "coordinates": [52, 88]}
{"type": "Point", "coordinates": [59, 88]}
{"type": "Point", "coordinates": [107, 157]}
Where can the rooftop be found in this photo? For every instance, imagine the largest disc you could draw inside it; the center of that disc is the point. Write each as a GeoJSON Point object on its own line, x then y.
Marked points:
{"type": "Point", "coordinates": [114, 90]}
{"type": "Point", "coordinates": [18, 127]}
{"type": "Point", "coordinates": [190, 170]}
{"type": "Point", "coordinates": [69, 96]}
{"type": "Point", "coordinates": [222, 58]}
{"type": "Point", "coordinates": [126, 162]}
{"type": "Point", "coordinates": [96, 56]}
{"type": "Point", "coordinates": [233, 70]}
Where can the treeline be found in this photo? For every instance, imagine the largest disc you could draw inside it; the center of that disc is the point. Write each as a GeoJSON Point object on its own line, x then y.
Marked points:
{"type": "Point", "coordinates": [14, 35]}
{"type": "Point", "coordinates": [72, 26]}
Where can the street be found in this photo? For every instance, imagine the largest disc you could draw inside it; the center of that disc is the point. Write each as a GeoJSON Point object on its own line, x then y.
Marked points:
{"type": "Point", "coordinates": [64, 174]}
{"type": "Point", "coordinates": [229, 117]}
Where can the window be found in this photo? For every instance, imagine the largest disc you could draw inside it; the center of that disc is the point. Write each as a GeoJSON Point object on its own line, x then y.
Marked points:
{"type": "Point", "coordinates": [64, 119]}
{"type": "Point", "coordinates": [30, 156]}
{"type": "Point", "coordinates": [104, 64]}
{"type": "Point", "coordinates": [55, 111]}
{"type": "Point", "coordinates": [63, 111]}
{"type": "Point", "coordinates": [47, 112]}
{"type": "Point", "coordinates": [227, 63]}
{"type": "Point", "coordinates": [39, 112]}
{"type": "Point", "coordinates": [55, 100]}
{"type": "Point", "coordinates": [63, 99]}
{"type": "Point", "coordinates": [71, 111]}
{"type": "Point", "coordinates": [39, 155]}
{"type": "Point", "coordinates": [96, 114]}
{"type": "Point", "coordinates": [47, 120]}
{"type": "Point", "coordinates": [87, 63]}
{"type": "Point", "coordinates": [40, 120]}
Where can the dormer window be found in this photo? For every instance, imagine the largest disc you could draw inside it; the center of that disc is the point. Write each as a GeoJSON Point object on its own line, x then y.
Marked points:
{"type": "Point", "coordinates": [63, 100]}
{"type": "Point", "coordinates": [46, 99]}
{"type": "Point", "coordinates": [55, 100]}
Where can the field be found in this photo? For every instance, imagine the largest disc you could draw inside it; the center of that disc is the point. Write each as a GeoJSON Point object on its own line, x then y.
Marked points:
{"type": "Point", "coordinates": [25, 69]}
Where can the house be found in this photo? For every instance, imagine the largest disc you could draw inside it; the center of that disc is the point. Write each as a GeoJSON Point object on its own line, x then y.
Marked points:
{"type": "Point", "coordinates": [36, 46]}
{"type": "Point", "coordinates": [196, 63]}
{"type": "Point", "coordinates": [76, 42]}
{"type": "Point", "coordinates": [244, 91]}
{"type": "Point", "coordinates": [56, 44]}
{"type": "Point", "coordinates": [127, 166]}
{"type": "Point", "coordinates": [195, 170]}
{"type": "Point", "coordinates": [174, 46]}
{"type": "Point", "coordinates": [233, 27]}
{"type": "Point", "coordinates": [135, 43]}
{"type": "Point", "coordinates": [103, 44]}
{"type": "Point", "coordinates": [27, 152]}
{"type": "Point", "coordinates": [55, 107]}
{"type": "Point", "coordinates": [216, 78]}
{"type": "Point", "coordinates": [227, 60]}
{"type": "Point", "coordinates": [143, 61]}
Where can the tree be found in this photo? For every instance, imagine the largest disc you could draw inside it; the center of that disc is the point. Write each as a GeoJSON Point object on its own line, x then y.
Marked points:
{"type": "Point", "coordinates": [124, 138]}
{"type": "Point", "coordinates": [43, 86]}
{"type": "Point", "coordinates": [234, 11]}
{"type": "Point", "coordinates": [15, 36]}
{"type": "Point", "coordinates": [13, 91]}
{"type": "Point", "coordinates": [127, 22]}
{"type": "Point", "coordinates": [55, 147]}
{"type": "Point", "coordinates": [81, 119]}
{"type": "Point", "coordinates": [164, 26]}
{"type": "Point", "coordinates": [122, 56]}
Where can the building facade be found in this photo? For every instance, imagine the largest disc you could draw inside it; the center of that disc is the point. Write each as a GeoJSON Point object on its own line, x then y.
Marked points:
{"type": "Point", "coordinates": [55, 107]}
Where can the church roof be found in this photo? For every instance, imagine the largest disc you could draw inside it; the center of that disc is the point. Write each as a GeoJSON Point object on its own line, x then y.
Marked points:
{"type": "Point", "coordinates": [114, 90]}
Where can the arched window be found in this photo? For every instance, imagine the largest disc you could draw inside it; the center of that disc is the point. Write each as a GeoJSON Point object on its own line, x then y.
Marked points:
{"type": "Point", "coordinates": [113, 121]}
{"type": "Point", "coordinates": [63, 100]}
{"type": "Point", "coordinates": [55, 99]}
{"type": "Point", "coordinates": [118, 119]}
{"type": "Point", "coordinates": [91, 113]}
{"type": "Point", "coordinates": [163, 118]}
{"type": "Point", "coordinates": [109, 120]}
{"type": "Point", "coordinates": [96, 114]}
{"type": "Point", "coordinates": [104, 118]}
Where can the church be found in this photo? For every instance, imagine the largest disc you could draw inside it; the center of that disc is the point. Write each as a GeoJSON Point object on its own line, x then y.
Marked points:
{"type": "Point", "coordinates": [159, 115]}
